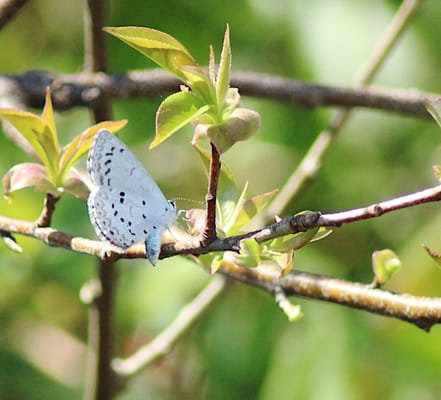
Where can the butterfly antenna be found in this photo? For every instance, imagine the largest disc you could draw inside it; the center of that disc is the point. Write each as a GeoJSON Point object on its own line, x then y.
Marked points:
{"type": "Point", "coordinates": [189, 200]}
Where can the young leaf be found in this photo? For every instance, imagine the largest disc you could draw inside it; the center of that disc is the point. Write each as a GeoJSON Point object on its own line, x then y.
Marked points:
{"type": "Point", "coordinates": [160, 47]}
{"type": "Point", "coordinates": [230, 208]}
{"type": "Point", "coordinates": [74, 184]}
{"type": "Point", "coordinates": [200, 84]}
{"type": "Point", "coordinates": [293, 241]}
{"type": "Point", "coordinates": [216, 263]}
{"type": "Point", "coordinates": [434, 108]}
{"type": "Point", "coordinates": [39, 135]}
{"type": "Point", "coordinates": [249, 255]}
{"type": "Point", "coordinates": [80, 145]}
{"type": "Point", "coordinates": [174, 112]}
{"type": "Point", "coordinates": [243, 124]}
{"type": "Point", "coordinates": [25, 175]}
{"type": "Point", "coordinates": [250, 209]}
{"type": "Point", "coordinates": [48, 117]}
{"type": "Point", "coordinates": [223, 75]}
{"type": "Point", "coordinates": [385, 263]}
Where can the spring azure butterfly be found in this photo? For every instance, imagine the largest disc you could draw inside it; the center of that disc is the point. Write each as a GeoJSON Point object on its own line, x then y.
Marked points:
{"type": "Point", "coordinates": [126, 205]}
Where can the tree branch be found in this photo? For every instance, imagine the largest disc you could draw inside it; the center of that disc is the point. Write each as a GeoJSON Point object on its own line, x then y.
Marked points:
{"type": "Point", "coordinates": [421, 311]}
{"type": "Point", "coordinates": [365, 297]}
{"type": "Point", "coordinates": [86, 89]}
{"type": "Point", "coordinates": [102, 383]}
{"type": "Point", "coordinates": [8, 9]}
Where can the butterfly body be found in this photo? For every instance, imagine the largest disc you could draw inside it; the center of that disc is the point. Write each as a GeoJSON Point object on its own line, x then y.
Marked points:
{"type": "Point", "coordinates": [126, 205]}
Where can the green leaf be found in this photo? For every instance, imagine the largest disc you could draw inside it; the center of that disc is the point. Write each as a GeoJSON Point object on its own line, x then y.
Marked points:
{"type": "Point", "coordinates": [160, 47]}
{"type": "Point", "coordinates": [294, 241]}
{"type": "Point", "coordinates": [26, 175]}
{"type": "Point", "coordinates": [249, 255]}
{"type": "Point", "coordinates": [230, 208]}
{"type": "Point", "coordinates": [212, 66]}
{"type": "Point", "coordinates": [215, 264]}
{"type": "Point", "coordinates": [223, 75]}
{"type": "Point", "coordinates": [240, 126]}
{"type": "Point", "coordinates": [176, 111]}
{"type": "Point", "coordinates": [74, 184]}
{"type": "Point", "coordinates": [39, 135]}
{"type": "Point", "coordinates": [250, 209]}
{"type": "Point", "coordinates": [49, 118]}
{"type": "Point", "coordinates": [434, 108]}
{"type": "Point", "coordinates": [80, 145]}
{"type": "Point", "coordinates": [385, 263]}
{"type": "Point", "coordinates": [200, 84]}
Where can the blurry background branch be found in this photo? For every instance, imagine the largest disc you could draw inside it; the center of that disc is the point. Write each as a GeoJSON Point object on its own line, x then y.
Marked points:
{"type": "Point", "coordinates": [8, 9]}
{"type": "Point", "coordinates": [100, 380]}
{"type": "Point", "coordinates": [86, 89]}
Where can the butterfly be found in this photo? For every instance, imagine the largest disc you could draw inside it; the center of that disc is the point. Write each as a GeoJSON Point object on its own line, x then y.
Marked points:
{"type": "Point", "coordinates": [126, 205]}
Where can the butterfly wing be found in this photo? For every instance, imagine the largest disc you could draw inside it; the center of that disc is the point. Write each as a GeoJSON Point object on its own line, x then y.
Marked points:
{"type": "Point", "coordinates": [126, 206]}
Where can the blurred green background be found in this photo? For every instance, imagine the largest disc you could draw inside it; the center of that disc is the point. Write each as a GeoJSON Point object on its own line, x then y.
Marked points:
{"type": "Point", "coordinates": [245, 347]}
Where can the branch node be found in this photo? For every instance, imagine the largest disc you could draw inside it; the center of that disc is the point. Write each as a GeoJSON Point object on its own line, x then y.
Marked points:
{"type": "Point", "coordinates": [304, 221]}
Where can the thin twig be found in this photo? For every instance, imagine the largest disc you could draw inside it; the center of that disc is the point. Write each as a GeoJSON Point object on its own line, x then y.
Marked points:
{"type": "Point", "coordinates": [297, 223]}
{"type": "Point", "coordinates": [209, 234]}
{"type": "Point", "coordinates": [8, 9]}
{"type": "Point", "coordinates": [265, 279]}
{"type": "Point", "coordinates": [313, 159]}
{"type": "Point", "coordinates": [162, 343]}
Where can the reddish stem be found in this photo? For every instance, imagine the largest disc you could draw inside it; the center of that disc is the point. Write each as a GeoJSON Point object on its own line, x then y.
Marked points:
{"type": "Point", "coordinates": [209, 234]}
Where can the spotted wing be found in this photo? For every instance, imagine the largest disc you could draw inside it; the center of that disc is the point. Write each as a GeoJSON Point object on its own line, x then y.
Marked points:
{"type": "Point", "coordinates": [126, 205]}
